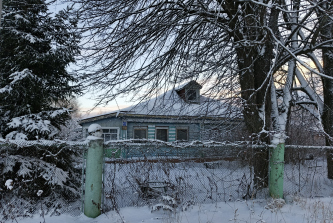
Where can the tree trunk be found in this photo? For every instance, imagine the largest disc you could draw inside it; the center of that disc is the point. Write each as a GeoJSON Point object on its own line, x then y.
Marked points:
{"type": "Point", "coordinates": [326, 30]}
{"type": "Point", "coordinates": [255, 102]}
{"type": "Point", "coordinates": [254, 63]}
{"type": "Point", "coordinates": [327, 115]}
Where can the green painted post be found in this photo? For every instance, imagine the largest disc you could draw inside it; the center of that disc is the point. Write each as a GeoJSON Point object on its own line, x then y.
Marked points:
{"type": "Point", "coordinates": [93, 184]}
{"type": "Point", "coordinates": [276, 164]}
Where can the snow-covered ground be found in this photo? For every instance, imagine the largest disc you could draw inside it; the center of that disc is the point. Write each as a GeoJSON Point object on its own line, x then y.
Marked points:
{"type": "Point", "coordinates": [296, 210]}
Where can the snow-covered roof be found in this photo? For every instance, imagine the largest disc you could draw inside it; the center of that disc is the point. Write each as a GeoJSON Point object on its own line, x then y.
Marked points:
{"type": "Point", "coordinates": [171, 104]}
{"type": "Point", "coordinates": [190, 84]}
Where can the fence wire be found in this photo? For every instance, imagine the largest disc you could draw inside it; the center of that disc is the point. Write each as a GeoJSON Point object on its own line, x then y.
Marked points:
{"type": "Point", "coordinates": [45, 177]}
{"type": "Point", "coordinates": [40, 177]}
{"type": "Point", "coordinates": [306, 172]}
{"type": "Point", "coordinates": [137, 175]}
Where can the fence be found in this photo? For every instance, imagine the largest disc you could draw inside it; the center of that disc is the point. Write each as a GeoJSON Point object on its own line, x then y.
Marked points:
{"type": "Point", "coordinates": [43, 177]}
{"type": "Point", "coordinates": [46, 176]}
{"type": "Point", "coordinates": [149, 173]}
{"type": "Point", "coordinates": [154, 174]}
{"type": "Point", "coordinates": [305, 172]}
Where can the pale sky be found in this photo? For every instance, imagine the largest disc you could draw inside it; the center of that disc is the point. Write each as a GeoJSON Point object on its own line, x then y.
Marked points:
{"type": "Point", "coordinates": [86, 103]}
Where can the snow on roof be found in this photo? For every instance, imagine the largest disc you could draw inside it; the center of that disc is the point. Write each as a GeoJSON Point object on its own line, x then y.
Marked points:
{"type": "Point", "coordinates": [171, 104]}
{"type": "Point", "coordinates": [182, 86]}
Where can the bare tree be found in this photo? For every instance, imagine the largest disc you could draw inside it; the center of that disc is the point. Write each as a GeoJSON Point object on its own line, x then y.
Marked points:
{"type": "Point", "coordinates": [71, 130]}
{"type": "Point", "coordinates": [253, 50]}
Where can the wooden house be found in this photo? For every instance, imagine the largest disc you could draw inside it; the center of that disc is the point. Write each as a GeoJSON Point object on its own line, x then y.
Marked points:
{"type": "Point", "coordinates": [179, 114]}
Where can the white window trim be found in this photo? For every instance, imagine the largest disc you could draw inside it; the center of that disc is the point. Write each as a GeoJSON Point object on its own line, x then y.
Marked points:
{"type": "Point", "coordinates": [86, 133]}
{"type": "Point", "coordinates": [118, 131]}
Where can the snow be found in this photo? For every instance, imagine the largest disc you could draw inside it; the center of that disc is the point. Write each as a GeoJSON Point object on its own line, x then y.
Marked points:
{"type": "Point", "coordinates": [50, 172]}
{"type": "Point", "coordinates": [29, 123]}
{"type": "Point", "coordinates": [182, 86]}
{"type": "Point", "coordinates": [278, 138]}
{"type": "Point", "coordinates": [271, 211]}
{"type": "Point", "coordinates": [9, 184]}
{"type": "Point", "coordinates": [95, 131]}
{"type": "Point", "coordinates": [93, 138]}
{"type": "Point", "coordinates": [94, 127]}
{"type": "Point", "coordinates": [169, 199]}
{"type": "Point", "coordinates": [54, 114]}
{"type": "Point", "coordinates": [39, 193]}
{"type": "Point", "coordinates": [17, 135]}
{"type": "Point", "coordinates": [170, 104]}
{"type": "Point", "coordinates": [38, 123]}
{"type": "Point", "coordinates": [20, 75]}
{"type": "Point", "coordinates": [5, 89]}
{"type": "Point", "coordinates": [24, 143]}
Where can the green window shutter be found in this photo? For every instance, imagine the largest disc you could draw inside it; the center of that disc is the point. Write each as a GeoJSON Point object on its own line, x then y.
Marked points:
{"type": "Point", "coordinates": [151, 131]}
{"type": "Point", "coordinates": [172, 133]}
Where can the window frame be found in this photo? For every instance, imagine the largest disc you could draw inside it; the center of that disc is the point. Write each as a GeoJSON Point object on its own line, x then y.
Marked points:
{"type": "Point", "coordinates": [162, 127]}
{"type": "Point", "coordinates": [140, 128]}
{"type": "Point", "coordinates": [86, 133]}
{"type": "Point", "coordinates": [187, 133]}
{"type": "Point", "coordinates": [187, 95]}
{"type": "Point", "coordinates": [117, 128]}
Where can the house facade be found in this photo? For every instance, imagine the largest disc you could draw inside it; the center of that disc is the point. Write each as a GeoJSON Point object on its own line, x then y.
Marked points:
{"type": "Point", "coordinates": [179, 114]}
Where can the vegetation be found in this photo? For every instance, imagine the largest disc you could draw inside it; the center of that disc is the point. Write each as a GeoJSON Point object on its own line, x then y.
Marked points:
{"type": "Point", "coordinates": [35, 50]}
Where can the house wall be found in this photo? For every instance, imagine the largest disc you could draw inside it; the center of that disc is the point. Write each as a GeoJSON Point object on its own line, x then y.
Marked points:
{"type": "Point", "coordinates": [193, 128]}
{"type": "Point", "coordinates": [104, 123]}
{"type": "Point", "coordinates": [110, 122]}
{"type": "Point", "coordinates": [226, 131]}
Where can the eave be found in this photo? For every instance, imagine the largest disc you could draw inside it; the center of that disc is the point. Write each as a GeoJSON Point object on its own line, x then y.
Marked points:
{"type": "Point", "coordinates": [149, 118]}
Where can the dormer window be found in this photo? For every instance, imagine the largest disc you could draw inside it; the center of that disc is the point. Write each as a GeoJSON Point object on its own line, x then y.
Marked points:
{"type": "Point", "coordinates": [190, 92]}
{"type": "Point", "coordinates": [192, 95]}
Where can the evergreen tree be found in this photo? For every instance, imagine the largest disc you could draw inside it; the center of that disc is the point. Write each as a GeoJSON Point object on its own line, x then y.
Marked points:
{"type": "Point", "coordinates": [35, 49]}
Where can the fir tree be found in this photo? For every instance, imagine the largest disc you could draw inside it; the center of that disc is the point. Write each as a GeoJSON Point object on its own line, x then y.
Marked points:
{"type": "Point", "coordinates": [35, 49]}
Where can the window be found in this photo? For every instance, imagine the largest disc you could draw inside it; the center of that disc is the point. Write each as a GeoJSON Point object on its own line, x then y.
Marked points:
{"type": "Point", "coordinates": [110, 134]}
{"type": "Point", "coordinates": [191, 95]}
{"type": "Point", "coordinates": [162, 133]}
{"type": "Point", "coordinates": [140, 133]}
{"type": "Point", "coordinates": [182, 134]}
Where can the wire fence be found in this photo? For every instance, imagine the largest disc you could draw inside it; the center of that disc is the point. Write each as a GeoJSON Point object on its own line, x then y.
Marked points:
{"type": "Point", "coordinates": [174, 177]}
{"type": "Point", "coordinates": [46, 177]}
{"type": "Point", "coordinates": [305, 172]}
{"type": "Point", "coordinates": [40, 177]}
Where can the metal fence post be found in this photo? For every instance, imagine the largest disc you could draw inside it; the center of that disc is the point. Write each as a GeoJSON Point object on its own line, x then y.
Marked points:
{"type": "Point", "coordinates": [276, 164]}
{"type": "Point", "coordinates": [93, 182]}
